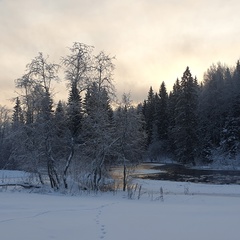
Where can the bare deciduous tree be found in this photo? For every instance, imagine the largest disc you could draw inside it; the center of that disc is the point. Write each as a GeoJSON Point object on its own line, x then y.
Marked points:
{"type": "Point", "coordinates": [78, 65]}
{"type": "Point", "coordinates": [36, 85]}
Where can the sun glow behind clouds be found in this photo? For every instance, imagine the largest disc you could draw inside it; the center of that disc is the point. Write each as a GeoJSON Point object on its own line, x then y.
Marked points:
{"type": "Point", "coordinates": [153, 40]}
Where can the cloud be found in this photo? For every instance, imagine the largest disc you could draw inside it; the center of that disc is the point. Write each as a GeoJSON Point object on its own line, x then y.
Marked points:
{"type": "Point", "coordinates": [153, 40]}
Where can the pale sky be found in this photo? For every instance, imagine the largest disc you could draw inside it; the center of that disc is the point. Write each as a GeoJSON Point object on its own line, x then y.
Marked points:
{"type": "Point", "coordinates": [153, 40]}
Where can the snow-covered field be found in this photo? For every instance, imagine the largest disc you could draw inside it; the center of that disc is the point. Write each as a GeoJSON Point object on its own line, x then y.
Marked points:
{"type": "Point", "coordinates": [184, 211]}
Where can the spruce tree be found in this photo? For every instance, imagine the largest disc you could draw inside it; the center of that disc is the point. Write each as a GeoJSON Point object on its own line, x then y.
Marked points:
{"type": "Point", "coordinates": [230, 136]}
{"type": "Point", "coordinates": [236, 87]}
{"type": "Point", "coordinates": [74, 111]}
{"type": "Point", "coordinates": [186, 120]}
{"type": "Point", "coordinates": [17, 117]}
{"type": "Point", "coordinates": [60, 121]}
{"type": "Point", "coordinates": [97, 132]}
{"type": "Point", "coordinates": [172, 113]}
{"type": "Point", "coordinates": [212, 108]}
{"type": "Point", "coordinates": [162, 113]}
{"type": "Point", "coordinates": [149, 114]}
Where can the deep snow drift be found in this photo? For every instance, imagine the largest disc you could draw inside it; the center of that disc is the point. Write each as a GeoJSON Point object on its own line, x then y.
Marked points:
{"type": "Point", "coordinates": [184, 211]}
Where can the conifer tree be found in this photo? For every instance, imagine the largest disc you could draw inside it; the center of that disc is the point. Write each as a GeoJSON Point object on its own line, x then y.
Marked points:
{"type": "Point", "coordinates": [212, 108]}
{"type": "Point", "coordinates": [149, 114]}
{"type": "Point", "coordinates": [186, 120]}
{"type": "Point", "coordinates": [17, 117]}
{"type": "Point", "coordinates": [172, 113]}
{"type": "Point", "coordinates": [98, 127]}
{"type": "Point", "coordinates": [5, 145]}
{"type": "Point", "coordinates": [60, 120]}
{"type": "Point", "coordinates": [230, 136]}
{"type": "Point", "coordinates": [74, 111]}
{"type": "Point", "coordinates": [162, 113]}
{"type": "Point", "coordinates": [236, 87]}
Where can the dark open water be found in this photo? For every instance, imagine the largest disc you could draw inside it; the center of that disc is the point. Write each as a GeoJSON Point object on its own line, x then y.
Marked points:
{"type": "Point", "coordinates": [175, 172]}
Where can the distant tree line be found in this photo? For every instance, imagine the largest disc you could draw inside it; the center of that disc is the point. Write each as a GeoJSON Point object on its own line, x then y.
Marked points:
{"type": "Point", "coordinates": [78, 141]}
{"type": "Point", "coordinates": [194, 122]}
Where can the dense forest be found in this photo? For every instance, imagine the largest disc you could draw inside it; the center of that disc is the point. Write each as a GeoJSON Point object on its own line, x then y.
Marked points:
{"type": "Point", "coordinates": [79, 140]}
{"type": "Point", "coordinates": [196, 123]}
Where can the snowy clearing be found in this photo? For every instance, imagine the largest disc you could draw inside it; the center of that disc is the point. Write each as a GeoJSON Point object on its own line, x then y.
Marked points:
{"type": "Point", "coordinates": [184, 211]}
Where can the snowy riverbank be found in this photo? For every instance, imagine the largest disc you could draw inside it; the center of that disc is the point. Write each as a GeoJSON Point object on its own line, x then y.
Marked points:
{"type": "Point", "coordinates": [185, 211]}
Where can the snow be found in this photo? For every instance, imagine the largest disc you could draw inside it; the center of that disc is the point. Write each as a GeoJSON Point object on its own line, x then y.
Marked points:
{"type": "Point", "coordinates": [185, 211]}
{"type": "Point", "coordinates": [9, 174]}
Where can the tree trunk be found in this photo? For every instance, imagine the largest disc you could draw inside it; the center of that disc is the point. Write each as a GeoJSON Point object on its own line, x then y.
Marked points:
{"type": "Point", "coordinates": [69, 159]}
{"type": "Point", "coordinates": [124, 175]}
{"type": "Point", "coordinates": [40, 178]}
{"type": "Point", "coordinates": [52, 174]}
{"type": "Point", "coordinates": [95, 180]}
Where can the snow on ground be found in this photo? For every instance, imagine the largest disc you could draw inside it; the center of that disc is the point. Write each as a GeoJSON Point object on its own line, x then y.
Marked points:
{"type": "Point", "coordinates": [184, 211]}
{"type": "Point", "coordinates": [9, 175]}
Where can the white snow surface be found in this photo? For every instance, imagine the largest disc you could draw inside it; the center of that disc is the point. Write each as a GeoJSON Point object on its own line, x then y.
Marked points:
{"type": "Point", "coordinates": [185, 211]}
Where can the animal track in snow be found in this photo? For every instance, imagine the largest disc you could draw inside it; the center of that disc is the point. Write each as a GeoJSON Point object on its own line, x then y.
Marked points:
{"type": "Point", "coordinates": [102, 226]}
{"type": "Point", "coordinates": [98, 221]}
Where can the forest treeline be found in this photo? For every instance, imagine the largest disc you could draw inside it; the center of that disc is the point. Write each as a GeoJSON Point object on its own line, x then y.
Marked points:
{"type": "Point", "coordinates": [79, 140]}
{"type": "Point", "coordinates": [196, 123]}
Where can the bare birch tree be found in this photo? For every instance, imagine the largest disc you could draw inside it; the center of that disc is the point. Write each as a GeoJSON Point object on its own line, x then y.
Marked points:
{"type": "Point", "coordinates": [36, 86]}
